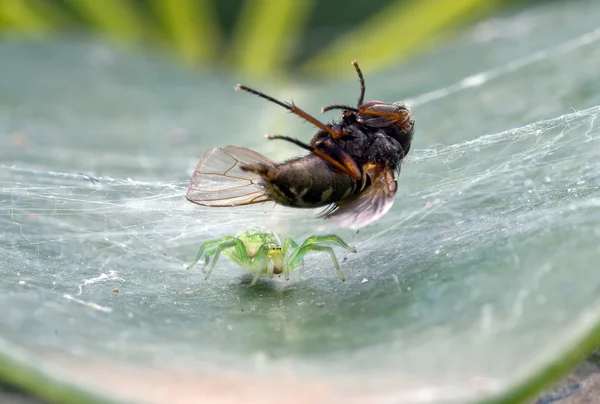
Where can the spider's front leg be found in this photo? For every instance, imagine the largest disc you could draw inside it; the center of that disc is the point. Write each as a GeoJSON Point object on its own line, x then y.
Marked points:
{"type": "Point", "coordinates": [239, 248]}
{"type": "Point", "coordinates": [258, 264]}
{"type": "Point", "coordinates": [238, 255]}
{"type": "Point", "coordinates": [288, 242]}
{"type": "Point", "coordinates": [221, 244]}
{"type": "Point", "coordinates": [314, 243]}
{"type": "Point", "coordinates": [208, 244]}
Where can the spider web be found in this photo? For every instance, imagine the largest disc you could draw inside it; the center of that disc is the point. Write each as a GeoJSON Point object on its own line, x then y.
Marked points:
{"type": "Point", "coordinates": [487, 241]}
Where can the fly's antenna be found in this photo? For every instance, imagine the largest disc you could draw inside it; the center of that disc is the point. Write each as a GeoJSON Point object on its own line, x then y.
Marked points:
{"type": "Point", "coordinates": [293, 109]}
{"type": "Point", "coordinates": [361, 97]}
{"type": "Point", "coordinates": [337, 106]}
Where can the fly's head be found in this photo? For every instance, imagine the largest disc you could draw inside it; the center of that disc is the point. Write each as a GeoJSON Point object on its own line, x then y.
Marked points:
{"type": "Point", "coordinates": [378, 114]}
{"type": "Point", "coordinates": [395, 120]}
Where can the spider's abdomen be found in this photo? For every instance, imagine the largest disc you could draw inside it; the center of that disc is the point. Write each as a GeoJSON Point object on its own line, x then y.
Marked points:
{"type": "Point", "coordinates": [254, 237]}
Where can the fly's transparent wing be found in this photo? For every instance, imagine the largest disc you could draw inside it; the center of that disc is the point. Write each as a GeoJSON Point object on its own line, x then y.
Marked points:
{"type": "Point", "coordinates": [371, 204]}
{"type": "Point", "coordinates": [218, 180]}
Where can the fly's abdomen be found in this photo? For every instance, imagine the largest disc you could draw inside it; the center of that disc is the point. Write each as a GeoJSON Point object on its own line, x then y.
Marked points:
{"type": "Point", "coordinates": [306, 182]}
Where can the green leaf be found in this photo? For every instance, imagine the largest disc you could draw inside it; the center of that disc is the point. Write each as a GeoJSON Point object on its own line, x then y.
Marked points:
{"type": "Point", "coordinates": [115, 18]}
{"type": "Point", "coordinates": [395, 31]}
{"type": "Point", "coordinates": [24, 15]}
{"type": "Point", "coordinates": [266, 32]}
{"type": "Point", "coordinates": [192, 28]}
{"type": "Point", "coordinates": [479, 284]}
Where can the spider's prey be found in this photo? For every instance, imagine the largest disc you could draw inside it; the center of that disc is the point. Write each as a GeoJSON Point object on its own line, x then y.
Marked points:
{"type": "Point", "coordinates": [260, 252]}
{"type": "Point", "coordinates": [351, 168]}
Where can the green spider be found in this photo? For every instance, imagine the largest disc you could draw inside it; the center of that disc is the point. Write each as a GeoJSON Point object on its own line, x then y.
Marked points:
{"type": "Point", "coordinates": [259, 251]}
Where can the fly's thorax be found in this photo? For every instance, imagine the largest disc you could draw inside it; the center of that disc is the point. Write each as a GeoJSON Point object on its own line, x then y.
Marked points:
{"type": "Point", "coordinates": [254, 237]}
{"type": "Point", "coordinates": [374, 146]}
{"type": "Point", "coordinates": [308, 182]}
{"type": "Point", "coordinates": [275, 254]}
{"type": "Point", "coordinates": [357, 142]}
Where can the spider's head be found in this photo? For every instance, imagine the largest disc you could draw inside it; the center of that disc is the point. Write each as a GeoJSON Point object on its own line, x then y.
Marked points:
{"type": "Point", "coordinates": [275, 254]}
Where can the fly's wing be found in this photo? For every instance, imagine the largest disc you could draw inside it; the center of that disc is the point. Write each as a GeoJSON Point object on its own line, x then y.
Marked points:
{"type": "Point", "coordinates": [371, 204]}
{"type": "Point", "coordinates": [218, 180]}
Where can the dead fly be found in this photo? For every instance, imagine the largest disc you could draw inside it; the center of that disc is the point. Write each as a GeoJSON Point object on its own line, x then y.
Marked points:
{"type": "Point", "coordinates": [352, 166]}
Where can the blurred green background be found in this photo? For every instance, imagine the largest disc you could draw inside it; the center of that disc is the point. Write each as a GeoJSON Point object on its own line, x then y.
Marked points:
{"type": "Point", "coordinates": [259, 37]}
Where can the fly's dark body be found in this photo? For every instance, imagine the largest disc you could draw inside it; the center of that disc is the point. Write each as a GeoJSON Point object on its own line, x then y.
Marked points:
{"type": "Point", "coordinates": [310, 182]}
{"type": "Point", "coordinates": [352, 165]}
{"type": "Point", "coordinates": [304, 182]}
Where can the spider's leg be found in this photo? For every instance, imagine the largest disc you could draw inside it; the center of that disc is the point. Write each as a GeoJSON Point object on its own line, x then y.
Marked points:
{"type": "Point", "coordinates": [238, 256]}
{"type": "Point", "coordinates": [256, 276]}
{"type": "Point", "coordinates": [313, 244]}
{"type": "Point", "coordinates": [259, 263]}
{"type": "Point", "coordinates": [236, 243]}
{"type": "Point", "coordinates": [207, 256]}
{"type": "Point", "coordinates": [270, 269]}
{"type": "Point", "coordinates": [234, 257]}
{"type": "Point", "coordinates": [209, 244]}
{"type": "Point", "coordinates": [332, 238]}
{"type": "Point", "coordinates": [288, 242]}
{"type": "Point", "coordinates": [315, 247]}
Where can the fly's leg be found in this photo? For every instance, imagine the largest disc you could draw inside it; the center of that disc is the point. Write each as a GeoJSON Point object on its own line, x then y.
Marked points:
{"type": "Point", "coordinates": [329, 151]}
{"type": "Point", "coordinates": [314, 243]}
{"type": "Point", "coordinates": [332, 153]}
{"type": "Point", "coordinates": [339, 159]}
{"type": "Point", "coordinates": [293, 109]}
